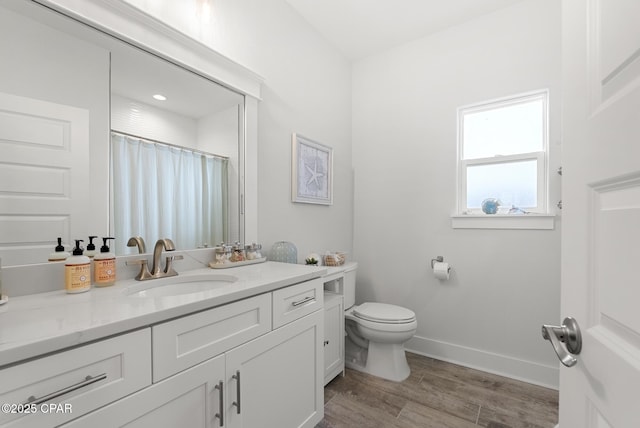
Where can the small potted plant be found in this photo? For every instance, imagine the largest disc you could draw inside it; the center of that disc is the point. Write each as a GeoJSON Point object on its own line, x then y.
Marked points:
{"type": "Point", "coordinates": [312, 260]}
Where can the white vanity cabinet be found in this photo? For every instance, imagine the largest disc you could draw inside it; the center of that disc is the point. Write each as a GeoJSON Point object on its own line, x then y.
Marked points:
{"type": "Point", "coordinates": [272, 381]}
{"type": "Point", "coordinates": [227, 367]}
{"type": "Point", "coordinates": [333, 336]}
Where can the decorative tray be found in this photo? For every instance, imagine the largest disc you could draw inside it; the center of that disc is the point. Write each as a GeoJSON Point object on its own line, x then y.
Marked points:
{"type": "Point", "coordinates": [215, 265]}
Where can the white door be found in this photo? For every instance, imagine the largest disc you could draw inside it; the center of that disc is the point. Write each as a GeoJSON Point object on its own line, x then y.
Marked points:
{"type": "Point", "coordinates": [44, 177]}
{"type": "Point", "coordinates": [601, 215]}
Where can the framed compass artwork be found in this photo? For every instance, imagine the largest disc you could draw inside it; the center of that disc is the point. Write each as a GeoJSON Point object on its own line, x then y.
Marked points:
{"type": "Point", "coordinates": [311, 171]}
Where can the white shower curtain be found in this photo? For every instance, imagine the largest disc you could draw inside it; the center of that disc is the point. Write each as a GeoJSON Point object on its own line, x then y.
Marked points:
{"type": "Point", "coordinates": [162, 191]}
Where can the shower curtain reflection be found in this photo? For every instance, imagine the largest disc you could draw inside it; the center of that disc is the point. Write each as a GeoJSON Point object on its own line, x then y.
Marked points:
{"type": "Point", "coordinates": [165, 191]}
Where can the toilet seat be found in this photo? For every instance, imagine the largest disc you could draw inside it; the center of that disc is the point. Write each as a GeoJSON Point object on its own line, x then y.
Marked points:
{"type": "Point", "coordinates": [384, 313]}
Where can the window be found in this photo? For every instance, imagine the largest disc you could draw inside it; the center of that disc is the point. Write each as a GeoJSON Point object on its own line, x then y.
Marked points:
{"type": "Point", "coordinates": [502, 154]}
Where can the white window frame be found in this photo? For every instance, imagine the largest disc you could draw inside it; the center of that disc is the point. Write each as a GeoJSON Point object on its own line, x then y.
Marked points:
{"type": "Point", "coordinates": [541, 156]}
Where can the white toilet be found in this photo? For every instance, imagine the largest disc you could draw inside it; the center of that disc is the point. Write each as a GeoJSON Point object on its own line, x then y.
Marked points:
{"type": "Point", "coordinates": [376, 333]}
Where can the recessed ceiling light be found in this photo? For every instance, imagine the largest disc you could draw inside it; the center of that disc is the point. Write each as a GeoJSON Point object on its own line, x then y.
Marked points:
{"type": "Point", "coordinates": [160, 97]}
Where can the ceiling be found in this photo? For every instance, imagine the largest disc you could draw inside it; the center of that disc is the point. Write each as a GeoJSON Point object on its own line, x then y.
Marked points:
{"type": "Point", "coordinates": [138, 75]}
{"type": "Point", "coordinates": [359, 28]}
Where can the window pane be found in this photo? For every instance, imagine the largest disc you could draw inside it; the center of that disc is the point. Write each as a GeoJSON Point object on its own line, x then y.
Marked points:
{"type": "Point", "coordinates": [508, 130]}
{"type": "Point", "coordinates": [513, 183]}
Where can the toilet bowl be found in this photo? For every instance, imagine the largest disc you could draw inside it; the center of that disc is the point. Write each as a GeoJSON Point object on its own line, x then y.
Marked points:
{"type": "Point", "coordinates": [376, 334]}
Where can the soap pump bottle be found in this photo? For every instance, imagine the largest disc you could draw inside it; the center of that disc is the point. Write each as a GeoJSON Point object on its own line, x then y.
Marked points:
{"type": "Point", "coordinates": [104, 266]}
{"type": "Point", "coordinates": [91, 248]}
{"type": "Point", "coordinates": [59, 254]}
{"type": "Point", "coordinates": [77, 271]}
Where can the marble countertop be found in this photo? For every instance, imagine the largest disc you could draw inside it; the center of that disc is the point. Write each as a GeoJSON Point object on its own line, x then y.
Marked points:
{"type": "Point", "coordinates": [41, 323]}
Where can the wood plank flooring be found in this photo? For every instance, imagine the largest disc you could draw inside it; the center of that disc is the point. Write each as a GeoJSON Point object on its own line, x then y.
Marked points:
{"type": "Point", "coordinates": [439, 395]}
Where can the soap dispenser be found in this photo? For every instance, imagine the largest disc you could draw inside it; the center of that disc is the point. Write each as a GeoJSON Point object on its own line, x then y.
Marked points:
{"type": "Point", "coordinates": [77, 271]}
{"type": "Point", "coordinates": [59, 254]}
{"type": "Point", "coordinates": [91, 248]}
{"type": "Point", "coordinates": [104, 266]}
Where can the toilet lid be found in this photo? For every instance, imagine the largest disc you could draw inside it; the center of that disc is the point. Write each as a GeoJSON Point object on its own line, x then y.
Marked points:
{"type": "Point", "coordinates": [382, 312]}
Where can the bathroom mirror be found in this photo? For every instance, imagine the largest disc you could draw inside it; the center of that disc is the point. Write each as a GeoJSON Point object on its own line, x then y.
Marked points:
{"type": "Point", "coordinates": [174, 153]}
{"type": "Point", "coordinates": [70, 92]}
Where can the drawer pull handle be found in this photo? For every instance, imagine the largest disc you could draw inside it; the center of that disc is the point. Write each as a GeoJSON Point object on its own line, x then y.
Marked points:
{"type": "Point", "coordinates": [237, 402]}
{"type": "Point", "coordinates": [220, 415]}
{"type": "Point", "coordinates": [303, 301]}
{"type": "Point", "coordinates": [86, 382]}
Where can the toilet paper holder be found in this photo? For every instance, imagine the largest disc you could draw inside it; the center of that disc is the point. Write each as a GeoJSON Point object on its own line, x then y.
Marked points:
{"type": "Point", "coordinates": [438, 259]}
{"type": "Point", "coordinates": [440, 269]}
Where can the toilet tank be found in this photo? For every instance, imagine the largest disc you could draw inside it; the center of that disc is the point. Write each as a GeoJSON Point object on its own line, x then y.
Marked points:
{"type": "Point", "coordinates": [350, 287]}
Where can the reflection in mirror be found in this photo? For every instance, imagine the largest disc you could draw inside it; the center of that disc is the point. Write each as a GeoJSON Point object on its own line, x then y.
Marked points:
{"type": "Point", "coordinates": [161, 191]}
{"type": "Point", "coordinates": [174, 152]}
{"type": "Point", "coordinates": [63, 88]}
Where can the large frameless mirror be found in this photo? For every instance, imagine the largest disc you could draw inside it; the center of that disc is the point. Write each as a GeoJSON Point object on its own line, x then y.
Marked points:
{"type": "Point", "coordinates": [87, 150]}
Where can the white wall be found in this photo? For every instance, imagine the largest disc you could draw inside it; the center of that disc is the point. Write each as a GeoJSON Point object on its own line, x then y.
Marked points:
{"type": "Point", "coordinates": [307, 90]}
{"type": "Point", "coordinates": [505, 283]}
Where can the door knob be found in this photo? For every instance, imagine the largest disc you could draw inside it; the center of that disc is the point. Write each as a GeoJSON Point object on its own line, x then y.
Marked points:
{"type": "Point", "coordinates": [565, 339]}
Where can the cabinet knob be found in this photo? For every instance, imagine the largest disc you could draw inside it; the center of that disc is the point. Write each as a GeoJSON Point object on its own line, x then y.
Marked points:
{"type": "Point", "coordinates": [326, 342]}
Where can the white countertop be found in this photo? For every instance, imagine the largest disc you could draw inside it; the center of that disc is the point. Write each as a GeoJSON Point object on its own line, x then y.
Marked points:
{"type": "Point", "coordinates": [41, 323]}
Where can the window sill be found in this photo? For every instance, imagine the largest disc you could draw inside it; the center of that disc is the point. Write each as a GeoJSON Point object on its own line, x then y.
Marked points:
{"type": "Point", "coordinates": [497, 221]}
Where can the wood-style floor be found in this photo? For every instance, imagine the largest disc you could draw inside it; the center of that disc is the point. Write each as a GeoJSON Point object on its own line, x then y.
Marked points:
{"type": "Point", "coordinates": [439, 395]}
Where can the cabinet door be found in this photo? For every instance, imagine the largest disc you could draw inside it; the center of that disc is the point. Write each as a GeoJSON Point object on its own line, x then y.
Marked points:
{"type": "Point", "coordinates": [276, 380]}
{"type": "Point", "coordinates": [190, 399]}
{"type": "Point", "coordinates": [333, 337]}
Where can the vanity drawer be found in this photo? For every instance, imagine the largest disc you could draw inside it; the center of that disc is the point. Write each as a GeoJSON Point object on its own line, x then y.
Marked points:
{"type": "Point", "coordinates": [190, 340]}
{"type": "Point", "coordinates": [296, 301]}
{"type": "Point", "coordinates": [74, 382]}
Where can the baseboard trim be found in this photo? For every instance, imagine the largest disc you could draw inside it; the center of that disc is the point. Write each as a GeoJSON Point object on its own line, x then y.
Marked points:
{"type": "Point", "coordinates": [502, 365]}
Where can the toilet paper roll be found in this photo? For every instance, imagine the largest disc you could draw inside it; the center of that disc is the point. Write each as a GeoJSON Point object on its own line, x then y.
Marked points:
{"type": "Point", "coordinates": [441, 270]}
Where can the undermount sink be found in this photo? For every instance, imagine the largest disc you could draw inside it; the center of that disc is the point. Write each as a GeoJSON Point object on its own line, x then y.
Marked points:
{"type": "Point", "coordinates": [179, 285]}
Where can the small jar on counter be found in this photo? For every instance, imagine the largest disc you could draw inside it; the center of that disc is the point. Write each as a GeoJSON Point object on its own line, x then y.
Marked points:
{"type": "Point", "coordinates": [221, 256]}
{"type": "Point", "coordinates": [251, 251]}
{"type": "Point", "coordinates": [237, 253]}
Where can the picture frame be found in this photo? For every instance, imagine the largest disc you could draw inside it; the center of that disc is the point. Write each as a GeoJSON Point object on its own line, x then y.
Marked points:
{"type": "Point", "coordinates": [311, 171]}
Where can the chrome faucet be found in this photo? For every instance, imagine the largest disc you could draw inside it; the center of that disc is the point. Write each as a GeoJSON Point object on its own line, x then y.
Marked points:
{"type": "Point", "coordinates": [165, 244]}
